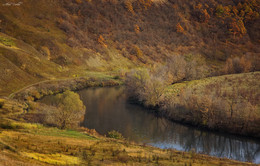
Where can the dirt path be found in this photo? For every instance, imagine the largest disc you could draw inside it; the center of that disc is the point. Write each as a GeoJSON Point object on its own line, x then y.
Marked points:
{"type": "Point", "coordinates": [31, 85]}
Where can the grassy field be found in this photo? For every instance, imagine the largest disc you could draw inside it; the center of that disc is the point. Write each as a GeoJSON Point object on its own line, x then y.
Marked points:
{"type": "Point", "coordinates": [245, 80]}
{"type": "Point", "coordinates": [34, 144]}
{"type": "Point", "coordinates": [228, 103]}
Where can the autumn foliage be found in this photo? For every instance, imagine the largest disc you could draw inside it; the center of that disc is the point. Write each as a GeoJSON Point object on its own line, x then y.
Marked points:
{"type": "Point", "coordinates": [179, 28]}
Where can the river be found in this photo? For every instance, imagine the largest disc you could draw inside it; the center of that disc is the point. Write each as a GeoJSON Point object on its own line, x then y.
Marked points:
{"type": "Point", "coordinates": [107, 109]}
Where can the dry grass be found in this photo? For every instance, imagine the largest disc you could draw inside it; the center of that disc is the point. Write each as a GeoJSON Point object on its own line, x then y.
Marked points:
{"type": "Point", "coordinates": [54, 159]}
{"type": "Point", "coordinates": [228, 103]}
{"type": "Point", "coordinates": [246, 80]}
{"type": "Point", "coordinates": [25, 144]}
{"type": "Point", "coordinates": [33, 146]}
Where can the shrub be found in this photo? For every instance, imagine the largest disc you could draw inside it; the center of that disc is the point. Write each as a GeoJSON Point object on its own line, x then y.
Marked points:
{"type": "Point", "coordinates": [69, 112]}
{"type": "Point", "coordinates": [188, 67]}
{"type": "Point", "coordinates": [238, 65]}
{"type": "Point", "coordinates": [66, 27]}
{"type": "Point", "coordinates": [123, 158]}
{"type": "Point", "coordinates": [220, 10]}
{"type": "Point", "coordinates": [115, 134]}
{"type": "Point", "coordinates": [101, 41]}
{"type": "Point", "coordinates": [175, 68]}
{"type": "Point", "coordinates": [116, 77]}
{"type": "Point", "coordinates": [144, 86]}
{"type": "Point", "coordinates": [9, 125]}
{"type": "Point", "coordinates": [147, 86]}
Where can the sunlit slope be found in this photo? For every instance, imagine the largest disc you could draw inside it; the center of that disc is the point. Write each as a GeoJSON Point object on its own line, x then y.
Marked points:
{"type": "Point", "coordinates": [33, 48]}
{"type": "Point", "coordinates": [21, 64]}
{"type": "Point", "coordinates": [140, 31]}
{"type": "Point", "coordinates": [227, 103]}
{"type": "Point", "coordinates": [45, 39]}
{"type": "Point", "coordinates": [31, 144]}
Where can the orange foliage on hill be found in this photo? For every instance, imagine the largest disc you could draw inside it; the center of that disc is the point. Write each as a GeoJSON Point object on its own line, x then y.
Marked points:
{"type": "Point", "coordinates": [101, 41]}
{"type": "Point", "coordinates": [179, 28]}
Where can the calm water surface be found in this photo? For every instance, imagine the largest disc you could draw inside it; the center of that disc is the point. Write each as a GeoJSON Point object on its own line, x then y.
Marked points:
{"type": "Point", "coordinates": [107, 109]}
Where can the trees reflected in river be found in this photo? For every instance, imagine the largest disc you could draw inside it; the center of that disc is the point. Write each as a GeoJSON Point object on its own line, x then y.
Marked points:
{"type": "Point", "coordinates": [108, 109]}
{"type": "Point", "coordinates": [189, 139]}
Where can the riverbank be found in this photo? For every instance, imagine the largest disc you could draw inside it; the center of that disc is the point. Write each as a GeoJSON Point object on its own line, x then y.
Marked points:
{"type": "Point", "coordinates": [33, 144]}
{"type": "Point", "coordinates": [23, 143]}
{"type": "Point", "coordinates": [50, 87]}
{"type": "Point", "coordinates": [226, 103]}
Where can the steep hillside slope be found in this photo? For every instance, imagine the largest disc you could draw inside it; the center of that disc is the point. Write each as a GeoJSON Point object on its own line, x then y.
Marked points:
{"type": "Point", "coordinates": [21, 64]}
{"type": "Point", "coordinates": [45, 39]}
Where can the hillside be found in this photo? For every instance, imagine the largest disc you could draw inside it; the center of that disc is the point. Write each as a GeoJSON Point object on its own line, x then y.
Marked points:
{"type": "Point", "coordinates": [226, 103]}
{"type": "Point", "coordinates": [48, 39]}
{"type": "Point", "coordinates": [195, 62]}
{"type": "Point", "coordinates": [37, 145]}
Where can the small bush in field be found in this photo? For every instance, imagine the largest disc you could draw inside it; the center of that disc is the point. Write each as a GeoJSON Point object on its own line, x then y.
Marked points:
{"type": "Point", "coordinates": [115, 134]}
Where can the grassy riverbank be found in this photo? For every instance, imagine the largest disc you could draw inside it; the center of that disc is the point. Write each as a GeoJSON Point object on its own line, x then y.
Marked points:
{"type": "Point", "coordinates": [227, 103]}
{"type": "Point", "coordinates": [33, 144]}
{"type": "Point", "coordinates": [24, 143]}
{"type": "Point", "coordinates": [49, 87]}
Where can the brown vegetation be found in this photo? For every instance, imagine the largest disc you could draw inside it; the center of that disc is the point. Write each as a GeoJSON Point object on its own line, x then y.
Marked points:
{"type": "Point", "coordinates": [147, 85]}
{"type": "Point", "coordinates": [242, 64]}
{"type": "Point", "coordinates": [234, 109]}
{"type": "Point", "coordinates": [144, 87]}
{"type": "Point", "coordinates": [48, 146]}
{"type": "Point", "coordinates": [226, 103]}
{"type": "Point", "coordinates": [106, 35]}
{"type": "Point", "coordinates": [41, 89]}
{"type": "Point", "coordinates": [169, 25]}
{"type": "Point", "coordinates": [33, 144]}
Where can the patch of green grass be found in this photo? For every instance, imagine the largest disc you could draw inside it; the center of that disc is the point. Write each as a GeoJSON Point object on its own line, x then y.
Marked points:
{"type": "Point", "coordinates": [64, 133]}
{"type": "Point", "coordinates": [6, 41]}
{"type": "Point", "coordinates": [100, 75]}
{"type": "Point", "coordinates": [28, 125]}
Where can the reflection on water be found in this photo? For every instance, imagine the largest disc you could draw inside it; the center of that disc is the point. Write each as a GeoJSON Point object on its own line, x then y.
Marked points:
{"type": "Point", "coordinates": [107, 109]}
